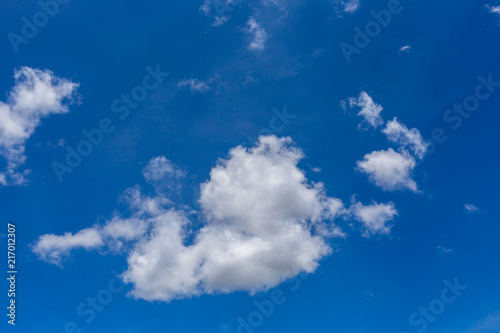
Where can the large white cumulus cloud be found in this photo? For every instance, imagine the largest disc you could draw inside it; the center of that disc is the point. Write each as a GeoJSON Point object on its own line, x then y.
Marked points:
{"type": "Point", "coordinates": [264, 222]}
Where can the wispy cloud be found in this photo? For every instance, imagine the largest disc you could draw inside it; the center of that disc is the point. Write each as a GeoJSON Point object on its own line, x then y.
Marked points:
{"type": "Point", "coordinates": [219, 10]}
{"type": "Point", "coordinates": [490, 324]}
{"type": "Point", "coordinates": [405, 49]}
{"type": "Point", "coordinates": [199, 86]}
{"type": "Point", "coordinates": [470, 208]}
{"type": "Point", "coordinates": [389, 169]}
{"type": "Point", "coordinates": [348, 6]}
{"type": "Point", "coordinates": [493, 9]}
{"type": "Point", "coordinates": [442, 250]}
{"type": "Point", "coordinates": [410, 139]}
{"type": "Point", "coordinates": [370, 111]}
{"type": "Point", "coordinates": [258, 35]}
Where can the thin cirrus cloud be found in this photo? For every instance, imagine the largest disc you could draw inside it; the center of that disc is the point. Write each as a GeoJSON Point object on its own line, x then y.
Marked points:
{"type": "Point", "coordinates": [489, 324]}
{"type": "Point", "coordinates": [219, 10]}
{"type": "Point", "coordinates": [349, 6]}
{"type": "Point", "coordinates": [36, 94]}
{"type": "Point", "coordinates": [257, 34]}
{"type": "Point", "coordinates": [443, 250]}
{"type": "Point", "coordinates": [389, 169]}
{"type": "Point", "coordinates": [470, 208]}
{"type": "Point", "coordinates": [493, 9]}
{"type": "Point", "coordinates": [200, 86]}
{"type": "Point", "coordinates": [195, 85]}
{"type": "Point", "coordinates": [405, 49]}
{"type": "Point", "coordinates": [264, 222]}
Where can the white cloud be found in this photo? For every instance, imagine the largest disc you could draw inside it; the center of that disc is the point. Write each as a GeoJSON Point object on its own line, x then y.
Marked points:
{"type": "Point", "coordinates": [349, 6]}
{"type": "Point", "coordinates": [113, 234]}
{"type": "Point", "coordinates": [162, 172]}
{"type": "Point", "coordinates": [194, 85]}
{"type": "Point", "coordinates": [370, 111]}
{"type": "Point", "coordinates": [406, 138]}
{"type": "Point", "coordinates": [220, 10]}
{"type": "Point", "coordinates": [470, 208]}
{"type": "Point", "coordinates": [405, 49]}
{"type": "Point", "coordinates": [493, 9]}
{"type": "Point", "coordinates": [36, 95]}
{"type": "Point", "coordinates": [375, 217]}
{"type": "Point", "coordinates": [442, 250]}
{"type": "Point", "coordinates": [52, 248]}
{"type": "Point", "coordinates": [389, 169]}
{"type": "Point", "coordinates": [250, 80]}
{"type": "Point", "coordinates": [257, 34]}
{"type": "Point", "coordinates": [264, 222]}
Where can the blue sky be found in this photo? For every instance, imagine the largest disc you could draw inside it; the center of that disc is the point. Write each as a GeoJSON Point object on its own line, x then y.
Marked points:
{"type": "Point", "coordinates": [369, 203]}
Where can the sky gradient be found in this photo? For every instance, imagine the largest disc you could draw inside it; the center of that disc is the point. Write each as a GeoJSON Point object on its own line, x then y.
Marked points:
{"type": "Point", "coordinates": [252, 166]}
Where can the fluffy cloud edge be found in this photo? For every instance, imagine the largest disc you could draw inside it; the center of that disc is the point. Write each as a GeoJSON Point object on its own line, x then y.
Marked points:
{"type": "Point", "coordinates": [264, 222]}
{"type": "Point", "coordinates": [35, 95]}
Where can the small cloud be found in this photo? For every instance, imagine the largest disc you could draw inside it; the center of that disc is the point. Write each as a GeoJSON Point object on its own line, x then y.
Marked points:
{"type": "Point", "coordinates": [316, 170]}
{"type": "Point", "coordinates": [374, 217]}
{"type": "Point", "coordinates": [59, 144]}
{"type": "Point", "coordinates": [489, 324]}
{"type": "Point", "coordinates": [470, 208]}
{"type": "Point", "coordinates": [406, 138]}
{"type": "Point", "coordinates": [493, 9]}
{"type": "Point", "coordinates": [389, 170]}
{"type": "Point", "coordinates": [369, 295]}
{"type": "Point", "coordinates": [257, 34]}
{"type": "Point", "coordinates": [405, 49]}
{"type": "Point", "coordinates": [343, 106]}
{"type": "Point", "coordinates": [347, 6]}
{"type": "Point", "coordinates": [220, 10]}
{"type": "Point", "coordinates": [194, 85]}
{"type": "Point", "coordinates": [370, 111]}
{"type": "Point", "coordinates": [199, 86]}
{"type": "Point", "coordinates": [442, 250]}
{"type": "Point", "coordinates": [161, 170]}
{"type": "Point", "coordinates": [249, 80]}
